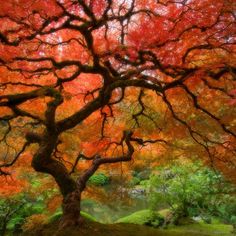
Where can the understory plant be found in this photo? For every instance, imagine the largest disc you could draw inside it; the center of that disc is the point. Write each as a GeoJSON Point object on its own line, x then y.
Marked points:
{"type": "Point", "coordinates": [191, 190]}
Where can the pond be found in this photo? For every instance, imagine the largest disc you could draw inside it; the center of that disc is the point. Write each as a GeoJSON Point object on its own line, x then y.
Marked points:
{"type": "Point", "coordinates": [114, 202]}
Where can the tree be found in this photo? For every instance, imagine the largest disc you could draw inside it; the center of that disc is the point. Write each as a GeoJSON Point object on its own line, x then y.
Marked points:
{"type": "Point", "coordinates": [77, 66]}
{"type": "Point", "coordinates": [191, 189]}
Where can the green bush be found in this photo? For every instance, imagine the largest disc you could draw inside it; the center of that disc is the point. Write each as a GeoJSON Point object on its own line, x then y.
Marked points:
{"type": "Point", "coordinates": [191, 190]}
{"type": "Point", "coordinates": [134, 181]}
{"type": "Point", "coordinates": [15, 210]}
{"type": "Point", "coordinates": [99, 179]}
{"type": "Point", "coordinates": [226, 210]}
{"type": "Point", "coordinates": [141, 174]}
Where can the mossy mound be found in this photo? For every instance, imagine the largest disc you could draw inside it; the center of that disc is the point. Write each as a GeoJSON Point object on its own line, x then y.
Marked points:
{"type": "Point", "coordinates": [90, 228]}
{"type": "Point", "coordinates": [58, 215]}
{"type": "Point", "coordinates": [204, 229]}
{"type": "Point", "coordinates": [144, 217]}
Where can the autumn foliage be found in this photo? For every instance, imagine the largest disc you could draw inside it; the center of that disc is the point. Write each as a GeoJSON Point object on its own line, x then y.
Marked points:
{"type": "Point", "coordinates": [89, 82]}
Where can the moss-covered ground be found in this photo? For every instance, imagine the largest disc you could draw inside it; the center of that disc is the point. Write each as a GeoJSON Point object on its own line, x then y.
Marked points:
{"type": "Point", "coordinates": [96, 229]}
{"type": "Point", "coordinates": [139, 217]}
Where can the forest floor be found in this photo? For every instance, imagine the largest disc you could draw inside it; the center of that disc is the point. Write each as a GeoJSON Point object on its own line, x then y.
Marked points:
{"type": "Point", "coordinates": [97, 229]}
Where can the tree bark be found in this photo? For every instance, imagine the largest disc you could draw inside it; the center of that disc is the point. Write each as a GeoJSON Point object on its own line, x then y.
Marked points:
{"type": "Point", "coordinates": [45, 163]}
{"type": "Point", "coordinates": [70, 189]}
{"type": "Point", "coordinates": [71, 209]}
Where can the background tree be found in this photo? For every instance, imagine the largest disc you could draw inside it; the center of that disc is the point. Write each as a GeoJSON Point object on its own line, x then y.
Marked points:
{"type": "Point", "coordinates": [192, 190]}
{"type": "Point", "coordinates": [94, 69]}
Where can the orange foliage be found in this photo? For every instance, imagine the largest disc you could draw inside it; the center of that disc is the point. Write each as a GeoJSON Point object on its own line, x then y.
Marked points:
{"type": "Point", "coordinates": [32, 221]}
{"type": "Point", "coordinates": [11, 185]}
{"type": "Point", "coordinates": [53, 203]}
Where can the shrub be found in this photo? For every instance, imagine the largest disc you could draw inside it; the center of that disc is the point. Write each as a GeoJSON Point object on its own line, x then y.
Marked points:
{"type": "Point", "coordinates": [99, 179]}
{"type": "Point", "coordinates": [134, 181]}
{"type": "Point", "coordinates": [15, 210]}
{"type": "Point", "coordinates": [142, 174]}
{"type": "Point", "coordinates": [11, 217]}
{"type": "Point", "coordinates": [191, 190]}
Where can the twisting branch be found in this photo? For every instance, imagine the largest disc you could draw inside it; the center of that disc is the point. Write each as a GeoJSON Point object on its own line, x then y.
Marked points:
{"type": "Point", "coordinates": [78, 158]}
{"type": "Point", "coordinates": [199, 107]}
{"type": "Point", "coordinates": [4, 173]}
{"type": "Point", "coordinates": [98, 160]}
{"type": "Point", "coordinates": [26, 144]}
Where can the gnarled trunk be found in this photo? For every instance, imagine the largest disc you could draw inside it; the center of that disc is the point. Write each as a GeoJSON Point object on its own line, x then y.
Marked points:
{"type": "Point", "coordinates": [71, 209]}
{"type": "Point", "coordinates": [45, 163]}
{"type": "Point", "coordinates": [71, 191]}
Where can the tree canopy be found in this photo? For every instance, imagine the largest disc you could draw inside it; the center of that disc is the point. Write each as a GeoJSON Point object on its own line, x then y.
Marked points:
{"type": "Point", "coordinates": [96, 80]}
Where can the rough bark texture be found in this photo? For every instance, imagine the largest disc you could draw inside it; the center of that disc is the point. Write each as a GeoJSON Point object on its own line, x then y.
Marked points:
{"type": "Point", "coordinates": [71, 209]}
{"type": "Point", "coordinates": [43, 162]}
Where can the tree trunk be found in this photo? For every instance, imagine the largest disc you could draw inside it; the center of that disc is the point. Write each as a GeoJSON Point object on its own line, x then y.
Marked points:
{"type": "Point", "coordinates": [71, 210]}
{"type": "Point", "coordinates": [45, 163]}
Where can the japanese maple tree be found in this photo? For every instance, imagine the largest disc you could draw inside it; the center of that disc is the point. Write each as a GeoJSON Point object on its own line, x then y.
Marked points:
{"type": "Point", "coordinates": [102, 78]}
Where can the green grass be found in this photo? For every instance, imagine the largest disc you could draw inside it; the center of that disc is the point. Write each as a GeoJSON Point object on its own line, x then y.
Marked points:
{"type": "Point", "coordinates": [144, 216]}
{"type": "Point", "coordinates": [90, 228]}
{"type": "Point", "coordinates": [139, 217]}
{"type": "Point", "coordinates": [204, 229]}
{"type": "Point", "coordinates": [132, 225]}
